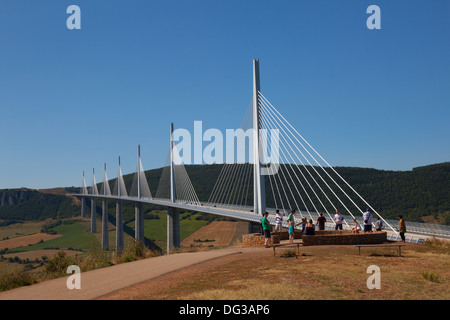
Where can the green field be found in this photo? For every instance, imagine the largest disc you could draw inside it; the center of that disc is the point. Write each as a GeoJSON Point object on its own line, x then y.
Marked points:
{"type": "Point", "coordinates": [77, 235]}
{"type": "Point", "coordinates": [20, 229]}
{"type": "Point", "coordinates": [156, 229]}
{"type": "Point", "coordinates": [74, 236]}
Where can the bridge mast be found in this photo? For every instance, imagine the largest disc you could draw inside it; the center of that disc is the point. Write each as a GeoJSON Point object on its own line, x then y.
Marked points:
{"type": "Point", "coordinates": [259, 189]}
{"type": "Point", "coordinates": [119, 215]}
{"type": "Point", "coordinates": [173, 216]}
{"type": "Point", "coordinates": [172, 168]}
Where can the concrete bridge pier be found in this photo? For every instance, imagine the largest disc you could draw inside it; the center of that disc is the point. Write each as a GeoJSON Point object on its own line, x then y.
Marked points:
{"type": "Point", "coordinates": [93, 216]}
{"type": "Point", "coordinates": [83, 207]}
{"type": "Point", "coordinates": [139, 222]}
{"type": "Point", "coordinates": [119, 226]}
{"type": "Point", "coordinates": [173, 229]}
{"type": "Point", "coordinates": [105, 236]}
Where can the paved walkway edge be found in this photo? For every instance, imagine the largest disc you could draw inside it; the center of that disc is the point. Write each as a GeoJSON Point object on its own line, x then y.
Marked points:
{"type": "Point", "coordinates": [100, 282]}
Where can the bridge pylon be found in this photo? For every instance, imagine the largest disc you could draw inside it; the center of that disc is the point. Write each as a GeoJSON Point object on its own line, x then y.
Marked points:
{"type": "Point", "coordinates": [173, 216]}
{"type": "Point", "coordinates": [119, 214]}
{"type": "Point", "coordinates": [259, 193]}
{"type": "Point", "coordinates": [138, 213]}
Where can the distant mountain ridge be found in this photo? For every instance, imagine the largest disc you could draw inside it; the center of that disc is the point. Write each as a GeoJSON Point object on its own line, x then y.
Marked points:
{"type": "Point", "coordinates": [423, 191]}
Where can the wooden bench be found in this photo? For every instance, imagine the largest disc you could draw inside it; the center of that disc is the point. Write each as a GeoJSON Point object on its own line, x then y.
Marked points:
{"type": "Point", "coordinates": [399, 245]}
{"type": "Point", "coordinates": [286, 245]}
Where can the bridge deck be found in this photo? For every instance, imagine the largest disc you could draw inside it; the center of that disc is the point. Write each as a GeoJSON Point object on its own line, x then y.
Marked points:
{"type": "Point", "coordinates": [416, 234]}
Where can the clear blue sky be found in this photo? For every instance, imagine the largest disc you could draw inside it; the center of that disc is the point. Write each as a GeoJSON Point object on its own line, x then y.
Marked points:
{"type": "Point", "coordinates": [71, 100]}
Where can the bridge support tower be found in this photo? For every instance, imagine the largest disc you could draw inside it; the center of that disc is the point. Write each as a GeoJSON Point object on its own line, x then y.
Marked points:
{"type": "Point", "coordinates": [105, 236]}
{"type": "Point", "coordinates": [258, 179]}
{"type": "Point", "coordinates": [173, 229]}
{"type": "Point", "coordinates": [119, 226]}
{"type": "Point", "coordinates": [138, 213]}
{"type": "Point", "coordinates": [93, 216]}
{"type": "Point", "coordinates": [139, 222]}
{"type": "Point", "coordinates": [83, 207]}
{"type": "Point", "coordinates": [173, 216]}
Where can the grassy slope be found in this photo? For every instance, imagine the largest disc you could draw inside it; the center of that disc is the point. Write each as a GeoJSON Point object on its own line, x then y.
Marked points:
{"type": "Point", "coordinates": [78, 236]}
{"type": "Point", "coordinates": [75, 236]}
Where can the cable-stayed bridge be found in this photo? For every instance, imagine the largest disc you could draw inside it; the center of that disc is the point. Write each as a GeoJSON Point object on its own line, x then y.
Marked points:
{"type": "Point", "coordinates": [272, 166]}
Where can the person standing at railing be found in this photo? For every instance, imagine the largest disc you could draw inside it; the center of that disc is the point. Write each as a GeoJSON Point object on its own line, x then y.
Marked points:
{"type": "Point", "coordinates": [321, 222]}
{"type": "Point", "coordinates": [401, 227]}
{"type": "Point", "coordinates": [338, 219]}
{"type": "Point", "coordinates": [367, 217]}
{"type": "Point", "coordinates": [278, 221]}
{"type": "Point", "coordinates": [291, 216]}
{"type": "Point", "coordinates": [266, 227]}
{"type": "Point", "coordinates": [378, 224]}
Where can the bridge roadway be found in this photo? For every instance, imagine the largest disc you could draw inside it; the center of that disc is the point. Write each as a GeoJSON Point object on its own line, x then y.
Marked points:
{"type": "Point", "coordinates": [231, 212]}
{"type": "Point", "coordinates": [246, 213]}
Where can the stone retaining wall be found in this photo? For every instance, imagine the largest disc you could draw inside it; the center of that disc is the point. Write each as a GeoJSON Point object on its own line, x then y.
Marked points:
{"type": "Point", "coordinates": [322, 237]}
{"type": "Point", "coordinates": [344, 237]}
{"type": "Point", "coordinates": [257, 240]}
{"type": "Point", "coordinates": [284, 235]}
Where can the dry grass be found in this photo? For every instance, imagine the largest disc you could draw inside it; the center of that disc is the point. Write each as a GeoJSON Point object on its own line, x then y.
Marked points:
{"type": "Point", "coordinates": [217, 233]}
{"type": "Point", "coordinates": [21, 229]}
{"type": "Point", "coordinates": [323, 272]}
{"type": "Point", "coordinates": [26, 240]}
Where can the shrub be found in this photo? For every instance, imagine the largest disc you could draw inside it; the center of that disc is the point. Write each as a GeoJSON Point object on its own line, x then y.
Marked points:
{"type": "Point", "coordinates": [134, 251]}
{"type": "Point", "coordinates": [16, 278]}
{"type": "Point", "coordinates": [57, 266]}
{"type": "Point", "coordinates": [432, 277]}
{"type": "Point", "coordinates": [435, 242]}
{"type": "Point", "coordinates": [288, 254]}
{"type": "Point", "coordinates": [96, 258]}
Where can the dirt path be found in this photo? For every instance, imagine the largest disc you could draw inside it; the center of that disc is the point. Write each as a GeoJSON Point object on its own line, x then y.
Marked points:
{"type": "Point", "coordinates": [159, 288]}
{"type": "Point", "coordinates": [97, 283]}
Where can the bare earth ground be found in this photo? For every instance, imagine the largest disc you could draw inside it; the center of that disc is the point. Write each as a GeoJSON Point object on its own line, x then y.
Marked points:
{"type": "Point", "coordinates": [217, 233]}
{"type": "Point", "coordinates": [321, 272]}
{"type": "Point", "coordinates": [26, 240]}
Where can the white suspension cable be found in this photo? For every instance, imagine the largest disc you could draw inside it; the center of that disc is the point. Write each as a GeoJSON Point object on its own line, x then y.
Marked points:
{"type": "Point", "coordinates": [331, 169]}
{"type": "Point", "coordinates": [298, 192]}
{"type": "Point", "coordinates": [281, 127]}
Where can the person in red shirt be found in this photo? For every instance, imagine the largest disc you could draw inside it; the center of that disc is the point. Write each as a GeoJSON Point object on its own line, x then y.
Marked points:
{"type": "Point", "coordinates": [321, 222]}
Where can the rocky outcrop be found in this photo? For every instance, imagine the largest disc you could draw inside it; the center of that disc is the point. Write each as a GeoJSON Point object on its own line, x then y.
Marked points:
{"type": "Point", "coordinates": [14, 197]}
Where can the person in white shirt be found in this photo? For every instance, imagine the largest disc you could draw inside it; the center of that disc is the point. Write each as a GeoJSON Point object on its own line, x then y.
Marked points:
{"type": "Point", "coordinates": [367, 217]}
{"type": "Point", "coordinates": [338, 219]}
{"type": "Point", "coordinates": [357, 227]}
{"type": "Point", "coordinates": [278, 221]}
